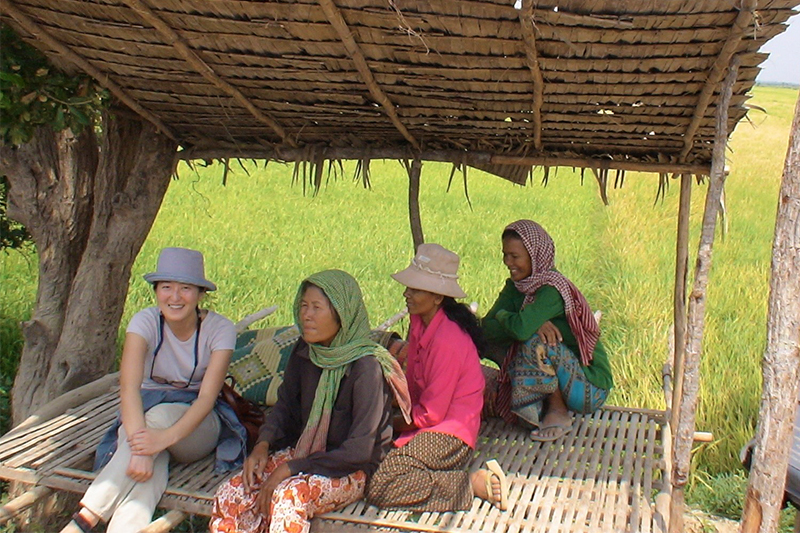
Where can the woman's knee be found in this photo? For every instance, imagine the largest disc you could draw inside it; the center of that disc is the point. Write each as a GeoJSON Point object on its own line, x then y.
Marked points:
{"type": "Point", "coordinates": [199, 442]}
{"type": "Point", "coordinates": [164, 415]}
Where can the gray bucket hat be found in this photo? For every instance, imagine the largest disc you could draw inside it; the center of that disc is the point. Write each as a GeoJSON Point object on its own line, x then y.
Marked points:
{"type": "Point", "coordinates": [182, 265]}
{"type": "Point", "coordinates": [433, 269]}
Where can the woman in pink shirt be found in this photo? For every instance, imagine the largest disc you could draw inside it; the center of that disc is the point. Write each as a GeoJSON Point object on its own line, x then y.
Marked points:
{"type": "Point", "coordinates": [426, 471]}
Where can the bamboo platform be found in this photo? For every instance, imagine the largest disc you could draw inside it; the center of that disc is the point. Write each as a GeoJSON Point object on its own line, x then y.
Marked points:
{"type": "Point", "coordinates": [604, 476]}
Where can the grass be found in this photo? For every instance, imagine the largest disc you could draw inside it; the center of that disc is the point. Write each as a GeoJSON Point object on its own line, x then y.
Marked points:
{"type": "Point", "coordinates": [261, 236]}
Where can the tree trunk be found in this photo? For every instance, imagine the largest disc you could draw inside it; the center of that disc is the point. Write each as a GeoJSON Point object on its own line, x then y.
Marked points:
{"type": "Point", "coordinates": [781, 364]}
{"type": "Point", "coordinates": [88, 208]}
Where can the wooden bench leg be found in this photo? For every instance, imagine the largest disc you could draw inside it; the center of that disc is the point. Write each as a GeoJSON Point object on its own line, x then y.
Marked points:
{"type": "Point", "coordinates": [165, 523]}
{"type": "Point", "coordinates": [22, 502]}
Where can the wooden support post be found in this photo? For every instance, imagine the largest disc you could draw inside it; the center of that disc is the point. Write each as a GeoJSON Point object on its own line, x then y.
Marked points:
{"type": "Point", "coordinates": [22, 502]}
{"type": "Point", "coordinates": [684, 432]}
{"type": "Point", "coordinates": [781, 363]}
{"type": "Point", "coordinates": [165, 523]}
{"type": "Point", "coordinates": [414, 173]}
{"type": "Point", "coordinates": [679, 298]}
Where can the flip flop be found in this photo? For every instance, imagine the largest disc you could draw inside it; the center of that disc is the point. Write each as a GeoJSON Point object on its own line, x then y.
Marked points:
{"type": "Point", "coordinates": [564, 429]}
{"type": "Point", "coordinates": [496, 471]}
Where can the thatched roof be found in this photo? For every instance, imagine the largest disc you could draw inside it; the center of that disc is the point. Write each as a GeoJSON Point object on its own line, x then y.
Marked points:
{"type": "Point", "coordinates": [628, 84]}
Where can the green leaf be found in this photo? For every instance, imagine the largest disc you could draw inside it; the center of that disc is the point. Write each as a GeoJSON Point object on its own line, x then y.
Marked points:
{"type": "Point", "coordinates": [10, 77]}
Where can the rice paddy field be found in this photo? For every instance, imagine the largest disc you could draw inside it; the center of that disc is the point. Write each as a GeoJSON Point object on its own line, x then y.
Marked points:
{"type": "Point", "coordinates": [261, 234]}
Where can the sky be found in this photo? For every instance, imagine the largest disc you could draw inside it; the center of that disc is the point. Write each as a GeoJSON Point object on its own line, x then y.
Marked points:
{"type": "Point", "coordinates": [783, 64]}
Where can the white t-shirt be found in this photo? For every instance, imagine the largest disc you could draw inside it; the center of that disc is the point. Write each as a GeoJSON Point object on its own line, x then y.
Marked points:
{"type": "Point", "coordinates": [175, 359]}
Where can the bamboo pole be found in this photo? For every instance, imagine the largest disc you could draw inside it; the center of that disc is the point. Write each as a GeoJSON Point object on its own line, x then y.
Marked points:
{"type": "Point", "coordinates": [413, 202]}
{"type": "Point", "coordinates": [532, 60]}
{"type": "Point", "coordinates": [203, 68]}
{"type": "Point", "coordinates": [684, 432]}
{"type": "Point", "coordinates": [336, 20]}
{"type": "Point", "coordinates": [679, 296]}
{"type": "Point", "coordinates": [22, 502]}
{"type": "Point", "coordinates": [781, 364]}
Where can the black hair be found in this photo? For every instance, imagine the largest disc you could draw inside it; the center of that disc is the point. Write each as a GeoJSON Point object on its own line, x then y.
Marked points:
{"type": "Point", "coordinates": [466, 320]}
{"type": "Point", "coordinates": [304, 287]}
{"type": "Point", "coordinates": [510, 234]}
{"type": "Point", "coordinates": [202, 290]}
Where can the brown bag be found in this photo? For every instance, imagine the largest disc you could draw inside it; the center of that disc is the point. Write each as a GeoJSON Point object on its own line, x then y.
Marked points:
{"type": "Point", "coordinates": [248, 412]}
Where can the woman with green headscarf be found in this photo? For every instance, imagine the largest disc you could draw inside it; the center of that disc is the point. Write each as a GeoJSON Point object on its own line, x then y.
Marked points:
{"type": "Point", "coordinates": [331, 425]}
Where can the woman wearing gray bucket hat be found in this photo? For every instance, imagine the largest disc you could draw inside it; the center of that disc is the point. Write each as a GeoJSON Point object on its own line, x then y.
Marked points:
{"type": "Point", "coordinates": [427, 469]}
{"type": "Point", "coordinates": [174, 362]}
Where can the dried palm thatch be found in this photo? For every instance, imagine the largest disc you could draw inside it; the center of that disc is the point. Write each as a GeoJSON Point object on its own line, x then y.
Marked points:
{"type": "Point", "coordinates": [601, 84]}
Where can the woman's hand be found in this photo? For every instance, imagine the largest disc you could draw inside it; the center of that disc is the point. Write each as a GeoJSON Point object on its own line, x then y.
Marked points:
{"type": "Point", "coordinates": [140, 468]}
{"type": "Point", "coordinates": [265, 494]}
{"type": "Point", "coordinates": [549, 334]}
{"type": "Point", "coordinates": [149, 441]}
{"type": "Point", "coordinates": [254, 465]}
{"type": "Point", "coordinates": [400, 425]}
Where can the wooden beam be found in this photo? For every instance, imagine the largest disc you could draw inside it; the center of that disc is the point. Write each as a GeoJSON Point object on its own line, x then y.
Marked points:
{"type": "Point", "coordinates": [684, 432]}
{"type": "Point", "coordinates": [192, 57]}
{"type": "Point", "coordinates": [414, 172]}
{"type": "Point", "coordinates": [679, 294]}
{"type": "Point", "coordinates": [737, 31]}
{"type": "Point", "coordinates": [447, 156]}
{"type": "Point", "coordinates": [102, 78]}
{"type": "Point", "coordinates": [532, 60]}
{"type": "Point", "coordinates": [337, 21]}
{"type": "Point", "coordinates": [781, 361]}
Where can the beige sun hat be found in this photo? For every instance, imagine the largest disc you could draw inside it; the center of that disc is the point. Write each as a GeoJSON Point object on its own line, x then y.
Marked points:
{"type": "Point", "coordinates": [433, 269]}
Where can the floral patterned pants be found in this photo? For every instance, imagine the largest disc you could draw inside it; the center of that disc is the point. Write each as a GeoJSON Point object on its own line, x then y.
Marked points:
{"type": "Point", "coordinates": [295, 502]}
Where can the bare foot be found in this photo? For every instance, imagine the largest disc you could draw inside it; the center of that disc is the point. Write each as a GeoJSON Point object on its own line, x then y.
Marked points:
{"type": "Point", "coordinates": [478, 482]}
{"type": "Point", "coordinates": [556, 421]}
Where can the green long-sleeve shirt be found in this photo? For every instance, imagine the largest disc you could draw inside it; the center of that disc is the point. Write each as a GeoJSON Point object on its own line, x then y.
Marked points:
{"type": "Point", "coordinates": [505, 323]}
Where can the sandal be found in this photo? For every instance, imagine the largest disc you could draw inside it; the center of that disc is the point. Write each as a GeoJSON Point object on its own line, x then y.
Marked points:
{"type": "Point", "coordinates": [496, 471]}
{"type": "Point", "coordinates": [563, 429]}
{"type": "Point", "coordinates": [82, 523]}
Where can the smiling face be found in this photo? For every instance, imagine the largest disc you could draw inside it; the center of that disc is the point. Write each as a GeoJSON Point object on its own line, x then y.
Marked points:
{"type": "Point", "coordinates": [422, 303]}
{"type": "Point", "coordinates": [318, 319]}
{"type": "Point", "coordinates": [178, 301]}
{"type": "Point", "coordinates": [516, 258]}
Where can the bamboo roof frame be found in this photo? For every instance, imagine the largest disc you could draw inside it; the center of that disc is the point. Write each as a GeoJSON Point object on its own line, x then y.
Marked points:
{"type": "Point", "coordinates": [492, 84]}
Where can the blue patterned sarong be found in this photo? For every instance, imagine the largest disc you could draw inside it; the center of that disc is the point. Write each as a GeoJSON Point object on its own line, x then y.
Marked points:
{"type": "Point", "coordinates": [537, 370]}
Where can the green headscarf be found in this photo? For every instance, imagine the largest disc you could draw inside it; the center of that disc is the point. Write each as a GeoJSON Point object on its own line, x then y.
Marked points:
{"type": "Point", "coordinates": [351, 343]}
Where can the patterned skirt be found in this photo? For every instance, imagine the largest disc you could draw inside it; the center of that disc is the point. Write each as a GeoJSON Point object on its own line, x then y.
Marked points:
{"type": "Point", "coordinates": [295, 501]}
{"type": "Point", "coordinates": [538, 370]}
{"type": "Point", "coordinates": [427, 474]}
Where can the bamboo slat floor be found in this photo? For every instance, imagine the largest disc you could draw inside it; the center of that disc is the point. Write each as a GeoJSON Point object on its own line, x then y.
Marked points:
{"type": "Point", "coordinates": [603, 476]}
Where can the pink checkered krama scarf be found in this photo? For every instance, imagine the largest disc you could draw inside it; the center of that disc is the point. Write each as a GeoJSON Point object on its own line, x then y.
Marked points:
{"type": "Point", "coordinates": [542, 251]}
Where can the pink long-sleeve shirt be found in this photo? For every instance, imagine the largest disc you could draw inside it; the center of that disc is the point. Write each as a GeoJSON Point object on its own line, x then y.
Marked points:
{"type": "Point", "coordinates": [445, 380]}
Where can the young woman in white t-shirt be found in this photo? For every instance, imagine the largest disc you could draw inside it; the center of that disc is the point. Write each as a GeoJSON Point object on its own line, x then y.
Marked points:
{"type": "Point", "coordinates": [174, 363]}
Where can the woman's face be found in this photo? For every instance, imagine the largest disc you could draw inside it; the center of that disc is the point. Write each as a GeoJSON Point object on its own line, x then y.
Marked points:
{"type": "Point", "coordinates": [317, 317]}
{"type": "Point", "coordinates": [177, 301]}
{"type": "Point", "coordinates": [422, 303]}
{"type": "Point", "coordinates": [516, 258]}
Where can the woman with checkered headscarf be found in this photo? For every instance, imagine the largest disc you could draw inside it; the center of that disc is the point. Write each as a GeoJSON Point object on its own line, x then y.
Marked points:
{"type": "Point", "coordinates": [545, 339]}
